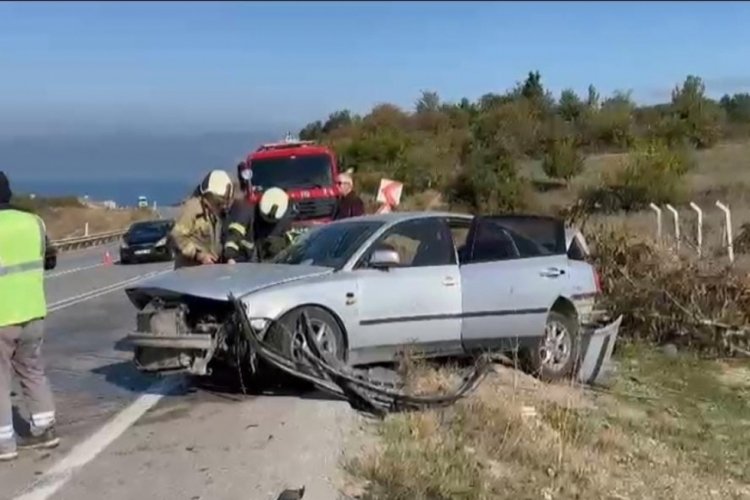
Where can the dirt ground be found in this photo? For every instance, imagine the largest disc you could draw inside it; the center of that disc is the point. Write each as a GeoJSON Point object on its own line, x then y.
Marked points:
{"type": "Point", "coordinates": [669, 428]}
{"type": "Point", "coordinates": [70, 221]}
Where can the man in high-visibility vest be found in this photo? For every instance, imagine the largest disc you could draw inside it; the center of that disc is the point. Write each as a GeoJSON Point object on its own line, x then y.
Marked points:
{"type": "Point", "coordinates": [22, 311]}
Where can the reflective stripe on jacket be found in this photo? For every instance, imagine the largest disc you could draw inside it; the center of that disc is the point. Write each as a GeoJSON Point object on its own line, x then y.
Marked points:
{"type": "Point", "coordinates": [239, 240]}
{"type": "Point", "coordinates": [22, 248]}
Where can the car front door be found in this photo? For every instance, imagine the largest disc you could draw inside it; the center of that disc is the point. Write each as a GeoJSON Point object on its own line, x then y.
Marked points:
{"type": "Point", "coordinates": [508, 284]}
{"type": "Point", "coordinates": [418, 302]}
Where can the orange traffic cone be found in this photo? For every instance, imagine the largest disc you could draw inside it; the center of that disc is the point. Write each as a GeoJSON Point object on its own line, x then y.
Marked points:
{"type": "Point", "coordinates": [107, 261]}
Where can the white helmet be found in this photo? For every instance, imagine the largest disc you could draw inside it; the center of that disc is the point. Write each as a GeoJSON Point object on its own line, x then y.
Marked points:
{"type": "Point", "coordinates": [273, 197]}
{"type": "Point", "coordinates": [219, 184]}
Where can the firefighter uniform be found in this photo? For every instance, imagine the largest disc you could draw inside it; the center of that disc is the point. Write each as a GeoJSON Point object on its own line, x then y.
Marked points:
{"type": "Point", "coordinates": [23, 308]}
{"type": "Point", "coordinates": [197, 232]}
{"type": "Point", "coordinates": [239, 234]}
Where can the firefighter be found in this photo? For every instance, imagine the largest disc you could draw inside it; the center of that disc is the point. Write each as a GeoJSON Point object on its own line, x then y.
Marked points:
{"type": "Point", "coordinates": [22, 311]}
{"type": "Point", "coordinates": [239, 235]}
{"type": "Point", "coordinates": [274, 217]}
{"type": "Point", "coordinates": [197, 232]}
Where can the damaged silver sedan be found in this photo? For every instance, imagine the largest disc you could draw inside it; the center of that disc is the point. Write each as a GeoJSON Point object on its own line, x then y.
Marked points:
{"type": "Point", "coordinates": [439, 284]}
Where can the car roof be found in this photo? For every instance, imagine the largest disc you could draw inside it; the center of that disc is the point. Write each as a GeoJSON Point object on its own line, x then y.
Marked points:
{"type": "Point", "coordinates": [393, 217]}
{"type": "Point", "coordinates": [152, 222]}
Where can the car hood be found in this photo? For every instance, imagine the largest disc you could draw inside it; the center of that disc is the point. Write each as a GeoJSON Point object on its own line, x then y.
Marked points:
{"type": "Point", "coordinates": [216, 282]}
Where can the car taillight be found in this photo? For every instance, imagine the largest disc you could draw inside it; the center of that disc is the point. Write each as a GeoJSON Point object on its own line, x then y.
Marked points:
{"type": "Point", "coordinates": [597, 280]}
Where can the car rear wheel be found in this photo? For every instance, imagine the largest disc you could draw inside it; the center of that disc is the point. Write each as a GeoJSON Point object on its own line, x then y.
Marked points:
{"type": "Point", "coordinates": [555, 356]}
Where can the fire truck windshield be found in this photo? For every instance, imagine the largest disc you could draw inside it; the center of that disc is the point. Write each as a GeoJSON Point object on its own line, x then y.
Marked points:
{"type": "Point", "coordinates": [304, 171]}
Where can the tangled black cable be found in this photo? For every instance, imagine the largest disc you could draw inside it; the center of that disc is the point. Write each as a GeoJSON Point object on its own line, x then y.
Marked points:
{"type": "Point", "coordinates": [332, 376]}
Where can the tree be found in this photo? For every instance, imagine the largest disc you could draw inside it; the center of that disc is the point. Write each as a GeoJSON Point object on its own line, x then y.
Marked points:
{"type": "Point", "coordinates": [570, 106]}
{"type": "Point", "coordinates": [429, 101]}
{"type": "Point", "coordinates": [698, 118]}
{"type": "Point", "coordinates": [312, 131]}
{"type": "Point", "coordinates": [737, 107]}
{"type": "Point", "coordinates": [336, 120]}
{"type": "Point", "coordinates": [592, 101]}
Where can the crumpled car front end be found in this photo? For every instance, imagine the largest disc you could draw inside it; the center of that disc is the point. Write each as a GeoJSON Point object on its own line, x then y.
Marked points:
{"type": "Point", "coordinates": [185, 319]}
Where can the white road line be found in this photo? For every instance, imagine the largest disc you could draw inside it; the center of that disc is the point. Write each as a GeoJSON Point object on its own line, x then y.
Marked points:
{"type": "Point", "coordinates": [56, 477]}
{"type": "Point", "coordinates": [77, 299]}
{"type": "Point", "coordinates": [70, 271]}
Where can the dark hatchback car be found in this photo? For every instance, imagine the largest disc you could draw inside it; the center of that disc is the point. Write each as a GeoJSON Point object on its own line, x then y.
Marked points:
{"type": "Point", "coordinates": [147, 241]}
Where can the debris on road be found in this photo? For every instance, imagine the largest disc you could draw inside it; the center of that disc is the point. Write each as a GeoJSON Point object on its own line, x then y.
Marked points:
{"type": "Point", "coordinates": [292, 494]}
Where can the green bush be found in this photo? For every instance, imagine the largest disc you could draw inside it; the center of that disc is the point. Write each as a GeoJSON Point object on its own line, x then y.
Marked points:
{"type": "Point", "coordinates": [652, 172]}
{"type": "Point", "coordinates": [563, 160]}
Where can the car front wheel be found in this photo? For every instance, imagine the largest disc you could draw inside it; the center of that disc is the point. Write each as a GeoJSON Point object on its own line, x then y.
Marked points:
{"type": "Point", "coordinates": [555, 356]}
{"type": "Point", "coordinates": [287, 337]}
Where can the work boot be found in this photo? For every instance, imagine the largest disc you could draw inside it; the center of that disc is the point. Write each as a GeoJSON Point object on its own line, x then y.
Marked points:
{"type": "Point", "coordinates": [47, 439]}
{"type": "Point", "coordinates": [8, 451]}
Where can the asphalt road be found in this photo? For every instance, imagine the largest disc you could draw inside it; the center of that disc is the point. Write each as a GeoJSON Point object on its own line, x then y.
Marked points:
{"type": "Point", "coordinates": [137, 436]}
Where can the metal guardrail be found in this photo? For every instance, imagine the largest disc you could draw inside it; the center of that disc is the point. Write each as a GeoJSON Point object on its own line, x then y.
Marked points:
{"type": "Point", "coordinates": [87, 241]}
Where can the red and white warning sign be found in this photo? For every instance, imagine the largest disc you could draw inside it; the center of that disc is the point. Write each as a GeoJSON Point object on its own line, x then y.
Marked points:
{"type": "Point", "coordinates": [389, 192]}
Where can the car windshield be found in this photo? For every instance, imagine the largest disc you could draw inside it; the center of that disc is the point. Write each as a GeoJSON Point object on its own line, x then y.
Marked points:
{"type": "Point", "coordinates": [328, 246]}
{"type": "Point", "coordinates": [306, 171]}
{"type": "Point", "coordinates": [150, 229]}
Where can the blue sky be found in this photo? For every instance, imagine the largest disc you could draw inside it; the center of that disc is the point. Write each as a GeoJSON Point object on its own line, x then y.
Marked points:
{"type": "Point", "coordinates": [235, 66]}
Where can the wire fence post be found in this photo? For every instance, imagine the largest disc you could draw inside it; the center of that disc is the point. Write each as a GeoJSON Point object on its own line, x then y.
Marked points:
{"type": "Point", "coordinates": [728, 229]}
{"type": "Point", "coordinates": [656, 209]}
{"type": "Point", "coordinates": [699, 238]}
{"type": "Point", "coordinates": [676, 216]}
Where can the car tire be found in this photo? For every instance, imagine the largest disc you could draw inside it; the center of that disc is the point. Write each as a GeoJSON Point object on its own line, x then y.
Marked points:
{"type": "Point", "coordinates": [279, 337]}
{"type": "Point", "coordinates": [556, 354]}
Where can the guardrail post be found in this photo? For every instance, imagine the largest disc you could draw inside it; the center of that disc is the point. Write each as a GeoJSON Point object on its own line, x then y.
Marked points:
{"type": "Point", "coordinates": [86, 229]}
{"type": "Point", "coordinates": [699, 240]}
{"type": "Point", "coordinates": [676, 216]}
{"type": "Point", "coordinates": [656, 209]}
{"type": "Point", "coordinates": [728, 229]}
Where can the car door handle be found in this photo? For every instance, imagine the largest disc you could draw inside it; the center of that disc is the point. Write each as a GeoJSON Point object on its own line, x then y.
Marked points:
{"type": "Point", "coordinates": [449, 281]}
{"type": "Point", "coordinates": [552, 272]}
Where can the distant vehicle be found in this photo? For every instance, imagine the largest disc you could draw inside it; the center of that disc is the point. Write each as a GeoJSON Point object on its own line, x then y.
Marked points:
{"type": "Point", "coordinates": [142, 202]}
{"type": "Point", "coordinates": [147, 241]}
{"type": "Point", "coordinates": [444, 284]}
{"type": "Point", "coordinates": [305, 170]}
{"type": "Point", "coordinates": [50, 255]}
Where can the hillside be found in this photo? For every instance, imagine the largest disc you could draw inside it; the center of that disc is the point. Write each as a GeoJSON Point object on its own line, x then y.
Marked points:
{"type": "Point", "coordinates": [67, 217]}
{"type": "Point", "coordinates": [527, 149]}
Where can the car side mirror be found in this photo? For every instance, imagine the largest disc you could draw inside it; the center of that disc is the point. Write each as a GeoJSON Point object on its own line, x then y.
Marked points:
{"type": "Point", "coordinates": [384, 259]}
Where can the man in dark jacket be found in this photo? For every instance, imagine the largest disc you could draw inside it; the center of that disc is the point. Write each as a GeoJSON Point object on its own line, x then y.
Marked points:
{"type": "Point", "coordinates": [350, 204]}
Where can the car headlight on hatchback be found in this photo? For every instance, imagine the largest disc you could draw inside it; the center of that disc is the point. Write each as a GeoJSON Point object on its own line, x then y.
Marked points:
{"type": "Point", "coordinates": [124, 245]}
{"type": "Point", "coordinates": [161, 242]}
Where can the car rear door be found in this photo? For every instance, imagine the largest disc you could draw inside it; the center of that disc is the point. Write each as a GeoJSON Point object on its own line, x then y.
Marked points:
{"type": "Point", "coordinates": [512, 271]}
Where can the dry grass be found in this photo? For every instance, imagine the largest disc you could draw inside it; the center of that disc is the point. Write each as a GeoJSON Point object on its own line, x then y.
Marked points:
{"type": "Point", "coordinates": [70, 221]}
{"type": "Point", "coordinates": [517, 438]}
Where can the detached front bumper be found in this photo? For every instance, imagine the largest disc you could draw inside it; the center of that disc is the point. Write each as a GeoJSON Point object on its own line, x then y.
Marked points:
{"type": "Point", "coordinates": [596, 366]}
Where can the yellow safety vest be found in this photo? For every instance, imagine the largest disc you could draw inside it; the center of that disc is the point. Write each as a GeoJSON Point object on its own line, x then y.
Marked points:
{"type": "Point", "coordinates": [22, 248]}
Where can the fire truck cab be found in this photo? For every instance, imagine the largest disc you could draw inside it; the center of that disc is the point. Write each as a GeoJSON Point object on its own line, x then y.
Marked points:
{"type": "Point", "coordinates": [305, 170]}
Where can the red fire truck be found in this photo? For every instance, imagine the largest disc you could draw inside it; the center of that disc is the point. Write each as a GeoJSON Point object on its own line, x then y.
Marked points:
{"type": "Point", "coordinates": [305, 170]}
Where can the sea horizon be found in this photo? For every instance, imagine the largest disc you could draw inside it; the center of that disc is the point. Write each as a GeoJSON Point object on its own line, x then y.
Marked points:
{"type": "Point", "coordinates": [124, 192]}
